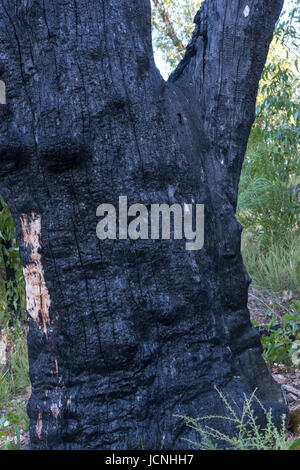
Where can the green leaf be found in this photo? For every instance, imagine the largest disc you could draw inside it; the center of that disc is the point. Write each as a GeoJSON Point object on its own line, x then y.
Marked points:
{"type": "Point", "coordinates": [295, 444]}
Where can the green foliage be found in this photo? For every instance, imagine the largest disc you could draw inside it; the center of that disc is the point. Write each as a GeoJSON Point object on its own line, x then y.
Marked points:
{"type": "Point", "coordinates": [14, 383]}
{"type": "Point", "coordinates": [281, 338]}
{"type": "Point", "coordinates": [169, 39]}
{"type": "Point", "coordinates": [11, 427]}
{"type": "Point", "coordinates": [269, 187]}
{"type": "Point", "coordinates": [269, 191]}
{"type": "Point", "coordinates": [14, 377]}
{"type": "Point", "coordinates": [11, 436]}
{"type": "Point", "coordinates": [268, 199]}
{"type": "Point", "coordinates": [12, 295]}
{"type": "Point", "coordinates": [248, 436]}
{"type": "Point", "coordinates": [278, 100]}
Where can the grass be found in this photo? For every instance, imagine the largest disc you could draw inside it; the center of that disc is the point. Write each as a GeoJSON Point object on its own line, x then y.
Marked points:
{"type": "Point", "coordinates": [277, 268]}
{"type": "Point", "coordinates": [268, 208]}
{"type": "Point", "coordinates": [14, 376]}
{"type": "Point", "coordinates": [14, 391]}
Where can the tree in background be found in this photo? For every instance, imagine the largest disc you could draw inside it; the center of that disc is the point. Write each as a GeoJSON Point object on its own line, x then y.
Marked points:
{"type": "Point", "coordinates": [172, 27]}
{"type": "Point", "coordinates": [278, 112]}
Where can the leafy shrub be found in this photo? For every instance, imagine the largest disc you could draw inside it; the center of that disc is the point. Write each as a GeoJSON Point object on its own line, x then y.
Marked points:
{"type": "Point", "coordinates": [12, 297]}
{"type": "Point", "coordinates": [278, 101]}
{"type": "Point", "coordinates": [249, 435]}
{"type": "Point", "coordinates": [268, 194]}
{"type": "Point", "coordinates": [281, 338]}
{"type": "Point", "coordinates": [14, 391]}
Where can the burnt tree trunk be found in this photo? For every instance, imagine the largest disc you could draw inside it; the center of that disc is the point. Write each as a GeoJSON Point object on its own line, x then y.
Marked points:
{"type": "Point", "coordinates": [123, 335]}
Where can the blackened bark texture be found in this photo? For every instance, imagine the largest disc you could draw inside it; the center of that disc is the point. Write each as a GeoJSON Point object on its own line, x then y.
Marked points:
{"type": "Point", "coordinates": [124, 335]}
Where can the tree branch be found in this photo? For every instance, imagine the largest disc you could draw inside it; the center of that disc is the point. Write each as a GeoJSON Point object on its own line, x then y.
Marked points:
{"type": "Point", "coordinates": [221, 72]}
{"type": "Point", "coordinates": [169, 28]}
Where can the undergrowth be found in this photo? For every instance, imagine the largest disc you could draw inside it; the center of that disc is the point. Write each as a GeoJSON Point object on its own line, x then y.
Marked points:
{"type": "Point", "coordinates": [14, 391]}
{"type": "Point", "coordinates": [249, 434]}
{"type": "Point", "coordinates": [276, 268]}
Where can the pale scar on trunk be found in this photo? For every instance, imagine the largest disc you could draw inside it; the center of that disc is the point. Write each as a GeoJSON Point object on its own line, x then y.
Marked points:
{"type": "Point", "coordinates": [37, 295]}
{"type": "Point", "coordinates": [2, 93]}
{"type": "Point", "coordinates": [39, 426]}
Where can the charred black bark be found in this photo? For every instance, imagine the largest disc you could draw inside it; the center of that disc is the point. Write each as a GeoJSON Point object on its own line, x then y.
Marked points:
{"type": "Point", "coordinates": [123, 335]}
